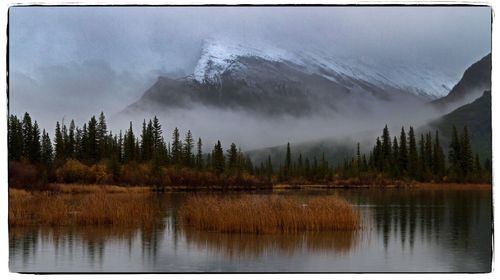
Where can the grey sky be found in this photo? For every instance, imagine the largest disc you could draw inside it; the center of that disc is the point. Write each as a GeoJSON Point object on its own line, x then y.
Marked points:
{"type": "Point", "coordinates": [74, 62]}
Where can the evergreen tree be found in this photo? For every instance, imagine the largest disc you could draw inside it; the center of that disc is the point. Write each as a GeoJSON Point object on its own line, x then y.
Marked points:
{"type": "Point", "coordinates": [288, 162]}
{"type": "Point", "coordinates": [358, 159]}
{"type": "Point", "coordinates": [15, 138]}
{"type": "Point", "coordinates": [454, 155]}
{"type": "Point", "coordinates": [199, 155]}
{"type": "Point", "coordinates": [478, 170]}
{"type": "Point", "coordinates": [378, 160]}
{"type": "Point", "coordinates": [438, 158]}
{"type": "Point", "coordinates": [157, 135]}
{"type": "Point", "coordinates": [467, 162]}
{"type": "Point", "coordinates": [35, 147]}
{"type": "Point", "coordinates": [428, 155]}
{"type": "Point", "coordinates": [46, 149]}
{"type": "Point", "coordinates": [412, 154]}
{"type": "Point", "coordinates": [92, 145]}
{"type": "Point", "coordinates": [403, 152]}
{"type": "Point", "coordinates": [176, 148]}
{"type": "Point", "coordinates": [395, 158]}
{"type": "Point", "coordinates": [70, 146]}
{"type": "Point", "coordinates": [386, 148]}
{"type": "Point", "coordinates": [101, 136]}
{"type": "Point", "coordinates": [218, 159]}
{"type": "Point", "coordinates": [269, 167]}
{"type": "Point", "coordinates": [187, 152]}
{"type": "Point", "coordinates": [59, 143]}
{"type": "Point", "coordinates": [232, 159]}
{"type": "Point", "coordinates": [129, 145]}
{"type": "Point", "coordinates": [27, 132]}
{"type": "Point", "coordinates": [300, 166]}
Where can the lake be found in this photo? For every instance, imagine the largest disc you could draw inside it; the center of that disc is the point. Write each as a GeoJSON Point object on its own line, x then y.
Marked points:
{"type": "Point", "coordinates": [403, 230]}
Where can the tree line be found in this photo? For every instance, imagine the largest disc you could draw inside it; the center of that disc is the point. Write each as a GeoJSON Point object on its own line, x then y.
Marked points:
{"type": "Point", "coordinates": [93, 154]}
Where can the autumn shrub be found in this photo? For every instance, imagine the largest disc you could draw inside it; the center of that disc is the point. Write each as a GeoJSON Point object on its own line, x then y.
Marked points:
{"type": "Point", "coordinates": [73, 171]}
{"type": "Point", "coordinates": [101, 173]}
{"type": "Point", "coordinates": [24, 175]}
{"type": "Point", "coordinates": [134, 174]}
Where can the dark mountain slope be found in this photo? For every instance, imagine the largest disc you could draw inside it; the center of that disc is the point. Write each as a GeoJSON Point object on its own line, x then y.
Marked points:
{"type": "Point", "coordinates": [476, 79]}
{"type": "Point", "coordinates": [477, 117]}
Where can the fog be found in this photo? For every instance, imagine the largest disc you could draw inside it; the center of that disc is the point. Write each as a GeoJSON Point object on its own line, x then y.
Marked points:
{"type": "Point", "coordinates": [71, 63]}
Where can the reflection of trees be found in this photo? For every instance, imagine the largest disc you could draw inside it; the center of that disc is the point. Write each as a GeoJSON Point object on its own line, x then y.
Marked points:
{"type": "Point", "coordinates": [91, 240]}
{"type": "Point", "coordinates": [255, 245]}
{"type": "Point", "coordinates": [431, 214]}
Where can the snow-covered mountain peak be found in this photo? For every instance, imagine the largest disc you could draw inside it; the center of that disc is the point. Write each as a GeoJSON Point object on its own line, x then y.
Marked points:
{"type": "Point", "coordinates": [217, 56]}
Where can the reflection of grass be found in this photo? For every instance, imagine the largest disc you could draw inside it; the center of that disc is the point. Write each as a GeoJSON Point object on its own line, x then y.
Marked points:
{"type": "Point", "coordinates": [271, 214]}
{"type": "Point", "coordinates": [453, 186]}
{"type": "Point", "coordinates": [249, 244]}
{"type": "Point", "coordinates": [98, 208]}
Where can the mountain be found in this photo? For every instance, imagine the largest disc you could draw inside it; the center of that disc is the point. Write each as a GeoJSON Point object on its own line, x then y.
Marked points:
{"type": "Point", "coordinates": [475, 80]}
{"type": "Point", "coordinates": [477, 117]}
{"type": "Point", "coordinates": [269, 81]}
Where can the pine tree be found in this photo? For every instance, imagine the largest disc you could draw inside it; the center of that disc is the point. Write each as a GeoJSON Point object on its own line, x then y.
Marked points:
{"type": "Point", "coordinates": [358, 159]}
{"type": "Point", "coordinates": [92, 145]}
{"type": "Point", "coordinates": [438, 158]}
{"type": "Point", "coordinates": [395, 158]}
{"type": "Point", "coordinates": [158, 142]}
{"type": "Point", "coordinates": [478, 170]}
{"type": "Point", "coordinates": [187, 152]}
{"type": "Point", "coordinates": [378, 155]}
{"type": "Point", "coordinates": [176, 148]}
{"type": "Point", "coordinates": [288, 162]}
{"type": "Point", "coordinates": [422, 158]}
{"type": "Point", "coordinates": [27, 132]}
{"type": "Point", "coordinates": [218, 159]}
{"type": "Point", "coordinates": [199, 155]}
{"type": "Point", "coordinates": [46, 149]}
{"type": "Point", "coordinates": [428, 155]}
{"type": "Point", "coordinates": [146, 143]}
{"type": "Point", "coordinates": [300, 166]}
{"type": "Point", "coordinates": [412, 154]}
{"type": "Point", "coordinates": [70, 149]}
{"type": "Point", "coordinates": [467, 162]}
{"type": "Point", "coordinates": [232, 159]}
{"type": "Point", "coordinates": [386, 148]}
{"type": "Point", "coordinates": [269, 167]}
{"type": "Point", "coordinates": [35, 147]}
{"type": "Point", "coordinates": [129, 145]}
{"type": "Point", "coordinates": [15, 138]}
{"type": "Point", "coordinates": [454, 155]}
{"type": "Point", "coordinates": [59, 143]}
{"type": "Point", "coordinates": [101, 135]}
{"type": "Point", "coordinates": [403, 152]}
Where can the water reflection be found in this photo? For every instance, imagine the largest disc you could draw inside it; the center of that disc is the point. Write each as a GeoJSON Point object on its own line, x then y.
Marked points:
{"type": "Point", "coordinates": [403, 230]}
{"type": "Point", "coordinates": [252, 245]}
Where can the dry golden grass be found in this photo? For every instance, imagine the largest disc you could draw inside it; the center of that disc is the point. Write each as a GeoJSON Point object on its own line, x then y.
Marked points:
{"type": "Point", "coordinates": [81, 189]}
{"type": "Point", "coordinates": [270, 214]}
{"type": "Point", "coordinates": [99, 208]}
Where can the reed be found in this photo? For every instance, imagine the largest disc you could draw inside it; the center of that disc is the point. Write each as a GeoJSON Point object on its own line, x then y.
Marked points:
{"type": "Point", "coordinates": [269, 214]}
{"type": "Point", "coordinates": [99, 208]}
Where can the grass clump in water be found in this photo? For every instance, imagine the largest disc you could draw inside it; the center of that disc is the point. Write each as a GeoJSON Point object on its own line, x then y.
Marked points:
{"type": "Point", "coordinates": [98, 208]}
{"type": "Point", "coordinates": [268, 214]}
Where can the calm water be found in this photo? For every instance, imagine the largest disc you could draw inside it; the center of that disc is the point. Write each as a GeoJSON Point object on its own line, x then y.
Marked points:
{"type": "Point", "coordinates": [404, 230]}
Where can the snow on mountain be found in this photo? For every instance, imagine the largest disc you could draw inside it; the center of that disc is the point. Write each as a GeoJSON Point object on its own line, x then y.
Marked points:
{"type": "Point", "coordinates": [218, 57]}
{"type": "Point", "coordinates": [427, 81]}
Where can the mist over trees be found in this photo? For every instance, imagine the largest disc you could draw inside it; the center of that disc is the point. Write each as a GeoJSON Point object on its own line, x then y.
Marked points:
{"type": "Point", "coordinates": [93, 154]}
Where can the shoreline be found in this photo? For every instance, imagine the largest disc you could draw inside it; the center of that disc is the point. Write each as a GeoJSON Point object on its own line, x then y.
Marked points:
{"type": "Point", "coordinates": [92, 188]}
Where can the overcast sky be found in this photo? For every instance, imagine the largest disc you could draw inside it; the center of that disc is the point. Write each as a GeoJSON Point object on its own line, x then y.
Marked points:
{"type": "Point", "coordinates": [74, 62]}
